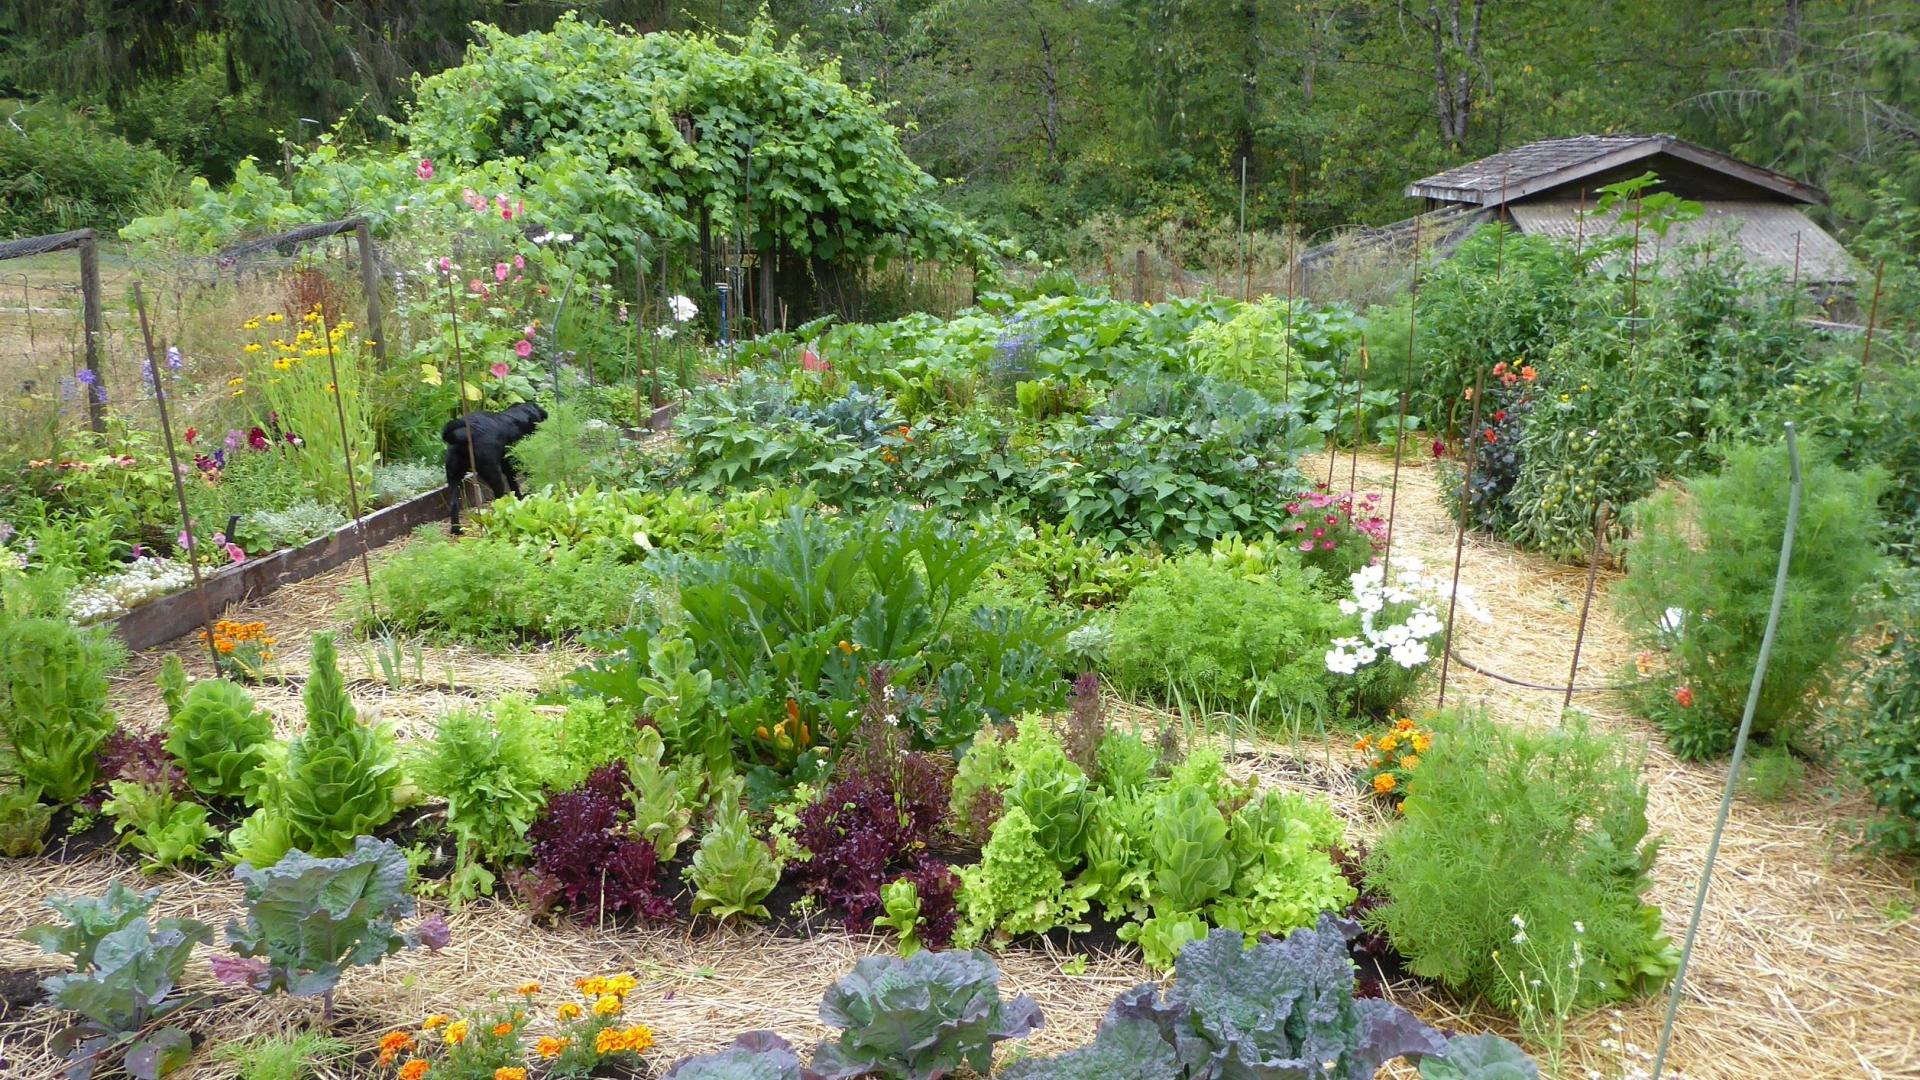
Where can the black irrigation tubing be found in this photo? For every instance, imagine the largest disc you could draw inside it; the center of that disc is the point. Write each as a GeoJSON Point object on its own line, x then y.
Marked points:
{"type": "Point", "coordinates": [1511, 681]}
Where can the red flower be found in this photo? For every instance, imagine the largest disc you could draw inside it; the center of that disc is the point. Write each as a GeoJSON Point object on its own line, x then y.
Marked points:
{"type": "Point", "coordinates": [257, 438]}
{"type": "Point", "coordinates": [1439, 448]}
{"type": "Point", "coordinates": [1500, 368]}
{"type": "Point", "coordinates": [810, 361]}
{"type": "Point", "coordinates": [1683, 695]}
{"type": "Point", "coordinates": [1499, 415]}
{"type": "Point", "coordinates": [192, 434]}
{"type": "Point", "coordinates": [1491, 437]}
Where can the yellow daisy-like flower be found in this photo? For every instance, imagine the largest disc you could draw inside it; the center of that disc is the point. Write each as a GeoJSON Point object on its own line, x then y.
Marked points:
{"type": "Point", "coordinates": [457, 1032]}
{"type": "Point", "coordinates": [250, 324]}
{"type": "Point", "coordinates": [549, 1047]}
{"type": "Point", "coordinates": [501, 1031]}
{"type": "Point", "coordinates": [283, 364]}
{"type": "Point", "coordinates": [238, 393]}
{"type": "Point", "coordinates": [251, 347]}
{"type": "Point", "coordinates": [237, 380]}
{"type": "Point", "coordinates": [608, 1005]}
{"type": "Point", "coordinates": [311, 316]}
{"type": "Point", "coordinates": [434, 1022]}
{"type": "Point", "coordinates": [527, 989]}
{"type": "Point", "coordinates": [567, 1012]}
{"type": "Point", "coordinates": [303, 337]}
{"type": "Point", "coordinates": [276, 317]}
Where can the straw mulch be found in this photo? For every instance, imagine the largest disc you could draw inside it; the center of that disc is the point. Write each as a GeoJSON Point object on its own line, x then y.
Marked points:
{"type": "Point", "coordinates": [1803, 967]}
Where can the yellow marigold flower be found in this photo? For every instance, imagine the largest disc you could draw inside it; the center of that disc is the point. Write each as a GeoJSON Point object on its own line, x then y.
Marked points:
{"type": "Point", "coordinates": [437, 1020]}
{"type": "Point", "coordinates": [1410, 761]}
{"type": "Point", "coordinates": [1384, 783]}
{"type": "Point", "coordinates": [608, 1005]}
{"type": "Point", "coordinates": [501, 1031]}
{"type": "Point", "coordinates": [1362, 743]}
{"type": "Point", "coordinates": [527, 989]}
{"type": "Point", "coordinates": [457, 1032]}
{"type": "Point", "coordinates": [621, 985]}
{"type": "Point", "coordinates": [509, 1072]}
{"type": "Point", "coordinates": [1420, 743]}
{"type": "Point", "coordinates": [567, 1012]}
{"type": "Point", "coordinates": [1387, 743]}
{"type": "Point", "coordinates": [550, 1047]}
{"type": "Point", "coordinates": [414, 1070]}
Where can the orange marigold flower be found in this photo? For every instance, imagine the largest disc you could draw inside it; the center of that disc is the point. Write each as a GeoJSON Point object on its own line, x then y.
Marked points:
{"type": "Point", "coordinates": [501, 1031]}
{"type": "Point", "coordinates": [414, 1070]}
{"type": "Point", "coordinates": [1421, 742]}
{"type": "Point", "coordinates": [1387, 743]}
{"type": "Point", "coordinates": [639, 1039]}
{"type": "Point", "coordinates": [550, 1047]}
{"type": "Point", "coordinates": [1362, 743]}
{"type": "Point", "coordinates": [567, 1012]}
{"type": "Point", "coordinates": [528, 989]}
{"type": "Point", "coordinates": [437, 1020]}
{"type": "Point", "coordinates": [509, 1072]}
{"type": "Point", "coordinates": [607, 1042]}
{"type": "Point", "coordinates": [392, 1044]}
{"type": "Point", "coordinates": [608, 1005]}
{"type": "Point", "coordinates": [1384, 783]}
{"type": "Point", "coordinates": [1403, 724]}
{"type": "Point", "coordinates": [457, 1032]}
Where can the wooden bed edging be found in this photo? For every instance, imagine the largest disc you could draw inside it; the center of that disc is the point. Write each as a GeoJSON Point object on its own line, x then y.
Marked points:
{"type": "Point", "coordinates": [179, 613]}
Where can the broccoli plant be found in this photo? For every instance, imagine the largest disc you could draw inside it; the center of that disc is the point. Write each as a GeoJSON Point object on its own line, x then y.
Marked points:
{"type": "Point", "coordinates": [919, 1018]}
{"type": "Point", "coordinates": [125, 974]}
{"type": "Point", "coordinates": [309, 920]}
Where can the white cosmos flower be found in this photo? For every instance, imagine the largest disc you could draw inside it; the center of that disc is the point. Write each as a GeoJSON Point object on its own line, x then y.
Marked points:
{"type": "Point", "coordinates": [1348, 607]}
{"type": "Point", "coordinates": [1411, 654]}
{"type": "Point", "coordinates": [1342, 662]}
{"type": "Point", "coordinates": [1424, 625]}
{"type": "Point", "coordinates": [1366, 655]}
{"type": "Point", "coordinates": [664, 330]}
{"type": "Point", "coordinates": [1395, 635]}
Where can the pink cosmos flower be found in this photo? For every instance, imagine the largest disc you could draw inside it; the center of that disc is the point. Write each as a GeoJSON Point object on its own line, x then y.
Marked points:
{"type": "Point", "coordinates": [523, 348]}
{"type": "Point", "coordinates": [424, 170]}
{"type": "Point", "coordinates": [1306, 545]}
{"type": "Point", "coordinates": [499, 369]}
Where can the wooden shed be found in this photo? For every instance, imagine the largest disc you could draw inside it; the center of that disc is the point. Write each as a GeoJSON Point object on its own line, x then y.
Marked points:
{"type": "Point", "coordinates": [1542, 187]}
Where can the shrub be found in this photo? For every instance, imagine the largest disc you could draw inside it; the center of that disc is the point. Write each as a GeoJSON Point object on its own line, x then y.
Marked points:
{"type": "Point", "coordinates": [63, 172]}
{"type": "Point", "coordinates": [1202, 631]}
{"type": "Point", "coordinates": [53, 703]}
{"type": "Point", "coordinates": [1882, 743]}
{"type": "Point", "coordinates": [1522, 853]}
{"type": "Point", "coordinates": [1700, 582]}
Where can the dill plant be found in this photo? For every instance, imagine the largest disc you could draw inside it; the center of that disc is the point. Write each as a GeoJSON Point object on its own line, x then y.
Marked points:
{"type": "Point", "coordinates": [1524, 836]}
{"type": "Point", "coordinates": [1700, 584]}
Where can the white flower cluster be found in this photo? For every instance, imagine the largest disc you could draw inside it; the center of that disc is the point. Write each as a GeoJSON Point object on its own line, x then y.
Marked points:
{"type": "Point", "coordinates": [682, 308]}
{"type": "Point", "coordinates": [1397, 617]}
{"type": "Point", "coordinates": [116, 594]}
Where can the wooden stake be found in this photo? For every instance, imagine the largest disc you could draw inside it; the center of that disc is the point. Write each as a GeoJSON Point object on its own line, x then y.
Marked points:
{"type": "Point", "coordinates": [179, 483]}
{"type": "Point", "coordinates": [1460, 534]}
{"type": "Point", "coordinates": [346, 450]}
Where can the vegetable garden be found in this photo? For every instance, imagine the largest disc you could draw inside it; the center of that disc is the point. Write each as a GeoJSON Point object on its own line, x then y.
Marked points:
{"type": "Point", "coordinates": [1050, 686]}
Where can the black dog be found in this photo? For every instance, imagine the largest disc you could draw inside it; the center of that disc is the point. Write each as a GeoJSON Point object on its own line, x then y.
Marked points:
{"type": "Point", "coordinates": [481, 440]}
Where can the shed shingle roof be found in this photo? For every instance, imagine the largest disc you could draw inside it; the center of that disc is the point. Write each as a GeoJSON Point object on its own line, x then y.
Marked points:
{"type": "Point", "coordinates": [1538, 166]}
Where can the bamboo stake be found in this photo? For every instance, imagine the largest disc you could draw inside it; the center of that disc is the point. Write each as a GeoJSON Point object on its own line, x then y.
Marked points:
{"type": "Point", "coordinates": [1866, 350]}
{"type": "Point", "coordinates": [1406, 390]}
{"type": "Point", "coordinates": [179, 484]}
{"type": "Point", "coordinates": [1460, 534]}
{"type": "Point", "coordinates": [346, 451]}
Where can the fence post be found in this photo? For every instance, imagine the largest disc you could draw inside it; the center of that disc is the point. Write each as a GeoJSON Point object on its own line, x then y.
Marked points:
{"type": "Point", "coordinates": [90, 306]}
{"type": "Point", "coordinates": [1139, 275]}
{"type": "Point", "coordinates": [370, 284]}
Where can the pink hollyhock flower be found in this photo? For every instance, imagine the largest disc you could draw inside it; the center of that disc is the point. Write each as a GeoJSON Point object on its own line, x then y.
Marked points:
{"type": "Point", "coordinates": [499, 369]}
{"type": "Point", "coordinates": [810, 361]}
{"type": "Point", "coordinates": [523, 348]}
{"type": "Point", "coordinates": [446, 264]}
{"type": "Point", "coordinates": [500, 271]}
{"type": "Point", "coordinates": [235, 553]}
{"type": "Point", "coordinates": [424, 170]}
{"type": "Point", "coordinates": [476, 285]}
{"type": "Point", "coordinates": [473, 199]}
{"type": "Point", "coordinates": [519, 262]}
